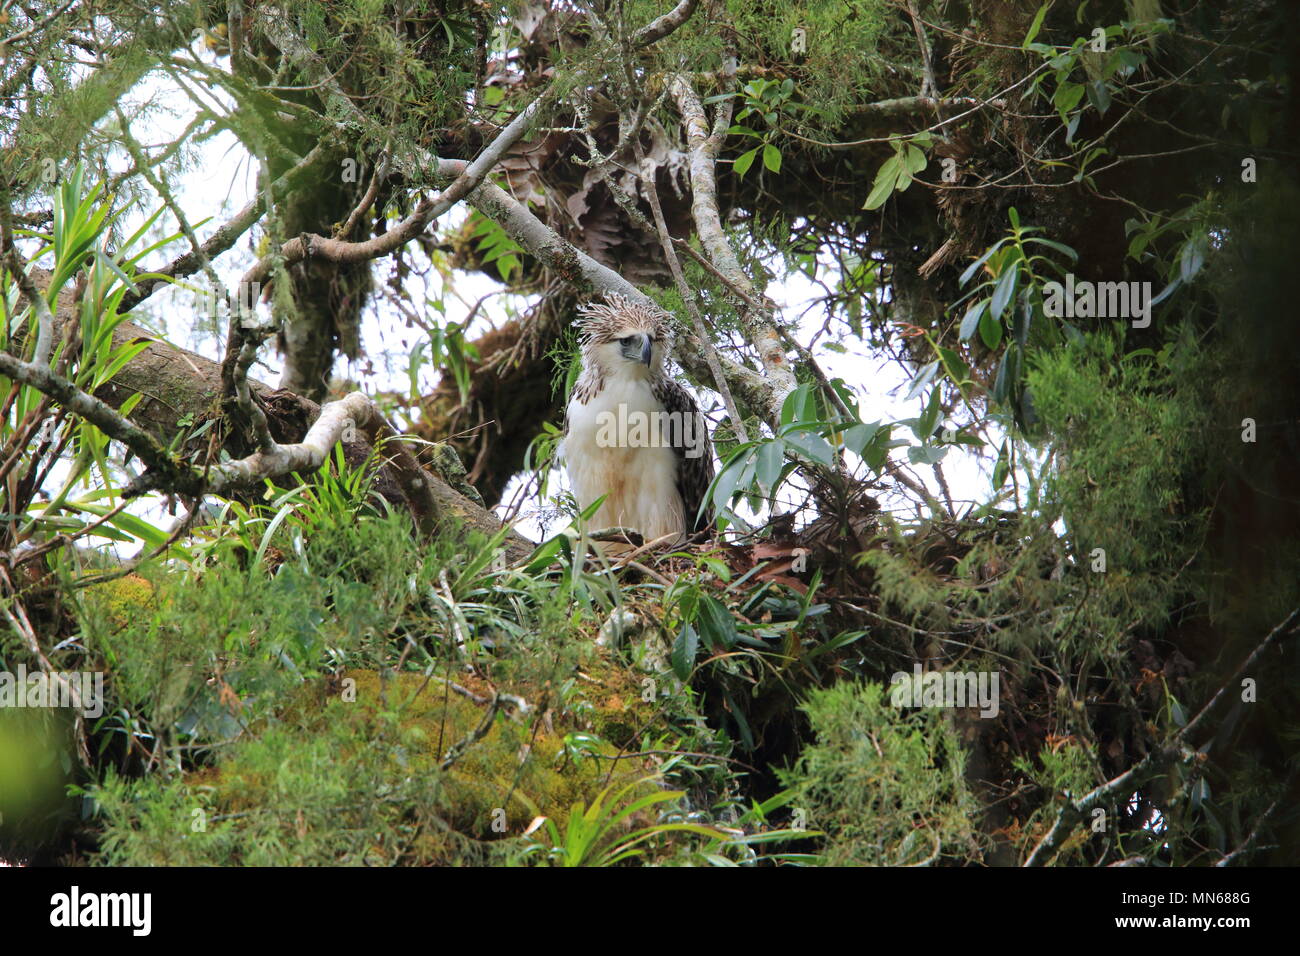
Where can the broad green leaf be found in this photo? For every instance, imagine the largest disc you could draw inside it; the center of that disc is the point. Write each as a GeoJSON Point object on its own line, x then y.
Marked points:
{"type": "Point", "coordinates": [990, 331]}
{"type": "Point", "coordinates": [886, 180]}
{"type": "Point", "coordinates": [811, 446]}
{"type": "Point", "coordinates": [1099, 96]}
{"type": "Point", "coordinates": [770, 458]}
{"type": "Point", "coordinates": [772, 158]}
{"type": "Point", "coordinates": [876, 451]}
{"type": "Point", "coordinates": [927, 454]}
{"type": "Point", "coordinates": [799, 406]}
{"type": "Point", "coordinates": [856, 437]}
{"type": "Point", "coordinates": [716, 624]}
{"type": "Point", "coordinates": [1067, 97]}
{"type": "Point", "coordinates": [954, 365]}
{"type": "Point", "coordinates": [724, 486]}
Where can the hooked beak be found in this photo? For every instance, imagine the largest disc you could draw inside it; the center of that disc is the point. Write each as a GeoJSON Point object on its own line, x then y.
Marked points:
{"type": "Point", "coordinates": [638, 348]}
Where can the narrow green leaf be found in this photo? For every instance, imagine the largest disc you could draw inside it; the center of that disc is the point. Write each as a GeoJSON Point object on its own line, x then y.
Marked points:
{"type": "Point", "coordinates": [971, 320]}
{"type": "Point", "coordinates": [930, 417]}
{"type": "Point", "coordinates": [1002, 468]}
{"type": "Point", "coordinates": [975, 266]}
{"type": "Point", "coordinates": [717, 626]}
{"type": "Point", "coordinates": [1060, 247]}
{"type": "Point", "coordinates": [744, 161]}
{"type": "Point", "coordinates": [1036, 25]}
{"type": "Point", "coordinates": [921, 380]}
{"type": "Point", "coordinates": [1004, 290]}
{"type": "Point", "coordinates": [1192, 258]}
{"type": "Point", "coordinates": [1006, 376]}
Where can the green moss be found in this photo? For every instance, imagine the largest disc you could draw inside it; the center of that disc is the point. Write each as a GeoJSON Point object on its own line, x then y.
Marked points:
{"type": "Point", "coordinates": [350, 773]}
{"type": "Point", "coordinates": [520, 767]}
{"type": "Point", "coordinates": [121, 601]}
{"type": "Point", "coordinates": [619, 712]}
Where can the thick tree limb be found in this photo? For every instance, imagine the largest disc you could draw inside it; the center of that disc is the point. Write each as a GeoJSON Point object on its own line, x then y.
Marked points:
{"type": "Point", "coordinates": [760, 325]}
{"type": "Point", "coordinates": [176, 475]}
{"type": "Point", "coordinates": [179, 384]}
{"type": "Point", "coordinates": [276, 460]}
{"type": "Point", "coordinates": [168, 473]}
{"type": "Point", "coordinates": [310, 245]}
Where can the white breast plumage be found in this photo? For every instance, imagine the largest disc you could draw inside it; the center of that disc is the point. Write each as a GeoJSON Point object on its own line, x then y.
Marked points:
{"type": "Point", "coordinates": [640, 483]}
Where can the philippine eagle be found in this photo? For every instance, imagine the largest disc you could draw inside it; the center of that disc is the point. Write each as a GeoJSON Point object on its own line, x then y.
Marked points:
{"type": "Point", "coordinates": [631, 433]}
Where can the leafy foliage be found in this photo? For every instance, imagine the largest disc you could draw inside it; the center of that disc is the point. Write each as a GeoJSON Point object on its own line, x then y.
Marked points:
{"type": "Point", "coordinates": [887, 787]}
{"type": "Point", "coordinates": [298, 679]}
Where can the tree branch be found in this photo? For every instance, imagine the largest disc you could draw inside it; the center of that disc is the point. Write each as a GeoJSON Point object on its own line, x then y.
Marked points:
{"type": "Point", "coordinates": [760, 325]}
{"type": "Point", "coordinates": [177, 384]}
{"type": "Point", "coordinates": [1175, 750]}
{"type": "Point", "coordinates": [170, 472]}
{"type": "Point", "coordinates": [226, 236]}
{"type": "Point", "coordinates": [660, 27]}
{"type": "Point", "coordinates": [688, 297]}
{"type": "Point", "coordinates": [761, 396]}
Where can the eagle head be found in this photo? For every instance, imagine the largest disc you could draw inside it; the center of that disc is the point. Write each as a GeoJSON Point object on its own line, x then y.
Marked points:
{"type": "Point", "coordinates": [622, 337]}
